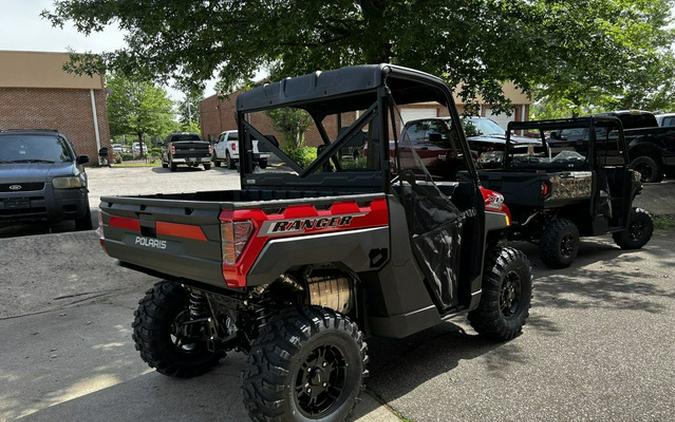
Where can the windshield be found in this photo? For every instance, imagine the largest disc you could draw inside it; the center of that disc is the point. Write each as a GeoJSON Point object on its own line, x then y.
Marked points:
{"type": "Point", "coordinates": [34, 148]}
{"type": "Point", "coordinates": [481, 126]}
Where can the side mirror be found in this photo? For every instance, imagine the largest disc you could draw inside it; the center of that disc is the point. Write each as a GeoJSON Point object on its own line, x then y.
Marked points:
{"type": "Point", "coordinates": [82, 159]}
{"type": "Point", "coordinates": [555, 135]}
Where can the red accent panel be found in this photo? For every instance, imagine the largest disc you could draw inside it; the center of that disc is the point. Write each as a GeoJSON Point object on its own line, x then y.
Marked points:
{"type": "Point", "coordinates": [375, 214]}
{"type": "Point", "coordinates": [186, 231]}
{"type": "Point", "coordinates": [125, 223]}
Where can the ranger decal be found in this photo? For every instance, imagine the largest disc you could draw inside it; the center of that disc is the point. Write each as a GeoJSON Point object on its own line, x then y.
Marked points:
{"type": "Point", "coordinates": [305, 224]}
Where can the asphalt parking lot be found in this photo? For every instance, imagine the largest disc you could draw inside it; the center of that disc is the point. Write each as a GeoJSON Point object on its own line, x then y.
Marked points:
{"type": "Point", "coordinates": [599, 345]}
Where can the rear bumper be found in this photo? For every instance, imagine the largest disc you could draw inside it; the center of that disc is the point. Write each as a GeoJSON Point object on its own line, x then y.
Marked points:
{"type": "Point", "coordinates": [48, 205]}
{"type": "Point", "coordinates": [190, 160]}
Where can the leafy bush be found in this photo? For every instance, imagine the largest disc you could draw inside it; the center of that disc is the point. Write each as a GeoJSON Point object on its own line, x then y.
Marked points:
{"type": "Point", "coordinates": [303, 155]}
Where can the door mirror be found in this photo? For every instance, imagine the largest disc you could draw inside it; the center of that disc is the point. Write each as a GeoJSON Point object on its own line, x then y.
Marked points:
{"type": "Point", "coordinates": [82, 159]}
{"type": "Point", "coordinates": [555, 135]}
{"type": "Point", "coordinates": [435, 138]}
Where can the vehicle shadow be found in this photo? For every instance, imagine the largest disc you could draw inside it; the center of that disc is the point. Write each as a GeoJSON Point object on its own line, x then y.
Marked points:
{"type": "Point", "coordinates": [217, 396]}
{"type": "Point", "coordinates": [185, 169]}
{"type": "Point", "coordinates": [604, 276]}
{"type": "Point", "coordinates": [38, 228]}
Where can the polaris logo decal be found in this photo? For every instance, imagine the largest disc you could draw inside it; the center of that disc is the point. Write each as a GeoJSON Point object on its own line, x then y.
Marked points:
{"type": "Point", "coordinates": [150, 243]}
{"type": "Point", "coordinates": [309, 224]}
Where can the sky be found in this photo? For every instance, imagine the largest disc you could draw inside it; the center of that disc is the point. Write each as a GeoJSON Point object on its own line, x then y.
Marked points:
{"type": "Point", "coordinates": [22, 28]}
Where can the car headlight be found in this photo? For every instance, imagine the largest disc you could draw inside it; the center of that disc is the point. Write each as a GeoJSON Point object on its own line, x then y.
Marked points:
{"type": "Point", "coordinates": [70, 182]}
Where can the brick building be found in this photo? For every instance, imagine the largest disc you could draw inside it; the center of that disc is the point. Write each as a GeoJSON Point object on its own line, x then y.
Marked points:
{"type": "Point", "coordinates": [36, 93]}
{"type": "Point", "coordinates": [218, 114]}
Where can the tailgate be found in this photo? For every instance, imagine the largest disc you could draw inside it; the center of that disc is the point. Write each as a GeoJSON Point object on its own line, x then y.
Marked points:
{"type": "Point", "coordinates": [191, 149]}
{"type": "Point", "coordinates": [519, 189]}
{"type": "Point", "coordinates": [173, 237]}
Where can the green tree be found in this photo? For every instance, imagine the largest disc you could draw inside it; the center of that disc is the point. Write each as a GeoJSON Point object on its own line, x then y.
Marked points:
{"type": "Point", "coordinates": [562, 49]}
{"type": "Point", "coordinates": [188, 108]}
{"type": "Point", "coordinates": [138, 107]}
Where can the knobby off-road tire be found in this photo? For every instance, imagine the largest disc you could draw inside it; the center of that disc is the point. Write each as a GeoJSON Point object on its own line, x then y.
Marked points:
{"type": "Point", "coordinates": [154, 337]}
{"type": "Point", "coordinates": [559, 244]}
{"type": "Point", "coordinates": [506, 296]}
{"type": "Point", "coordinates": [639, 231]}
{"type": "Point", "coordinates": [301, 359]}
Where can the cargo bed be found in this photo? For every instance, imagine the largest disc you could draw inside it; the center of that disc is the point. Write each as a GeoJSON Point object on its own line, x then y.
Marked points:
{"type": "Point", "coordinates": [179, 235]}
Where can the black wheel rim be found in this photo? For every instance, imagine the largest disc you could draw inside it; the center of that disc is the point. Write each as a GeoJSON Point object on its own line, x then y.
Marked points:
{"type": "Point", "coordinates": [567, 245]}
{"type": "Point", "coordinates": [509, 300]}
{"type": "Point", "coordinates": [320, 380]}
{"type": "Point", "coordinates": [180, 341]}
{"type": "Point", "coordinates": [637, 230]}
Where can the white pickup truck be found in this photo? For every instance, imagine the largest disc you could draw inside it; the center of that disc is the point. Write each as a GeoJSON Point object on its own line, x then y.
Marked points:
{"type": "Point", "coordinates": [226, 150]}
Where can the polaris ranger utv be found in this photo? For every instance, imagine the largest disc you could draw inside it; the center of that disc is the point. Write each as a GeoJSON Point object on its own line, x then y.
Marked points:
{"type": "Point", "coordinates": [304, 262]}
{"type": "Point", "coordinates": [568, 186]}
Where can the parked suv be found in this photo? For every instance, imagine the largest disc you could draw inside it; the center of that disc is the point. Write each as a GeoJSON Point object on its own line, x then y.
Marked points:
{"type": "Point", "coordinates": [42, 179]}
{"type": "Point", "coordinates": [186, 148]}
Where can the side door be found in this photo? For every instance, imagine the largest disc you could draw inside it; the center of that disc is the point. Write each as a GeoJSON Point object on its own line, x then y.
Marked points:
{"type": "Point", "coordinates": [441, 214]}
{"type": "Point", "coordinates": [218, 147]}
{"type": "Point", "coordinates": [615, 183]}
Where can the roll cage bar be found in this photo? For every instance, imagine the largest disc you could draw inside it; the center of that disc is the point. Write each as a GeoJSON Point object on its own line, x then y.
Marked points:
{"type": "Point", "coordinates": [590, 123]}
{"type": "Point", "coordinates": [324, 93]}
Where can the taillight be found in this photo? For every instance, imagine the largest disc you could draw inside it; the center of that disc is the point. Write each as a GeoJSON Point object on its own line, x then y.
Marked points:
{"type": "Point", "coordinates": [545, 189]}
{"type": "Point", "coordinates": [173, 149]}
{"type": "Point", "coordinates": [494, 201]}
{"type": "Point", "coordinates": [233, 146]}
{"type": "Point", "coordinates": [235, 236]}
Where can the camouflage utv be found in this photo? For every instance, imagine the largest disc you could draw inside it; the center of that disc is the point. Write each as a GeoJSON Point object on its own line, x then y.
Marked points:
{"type": "Point", "coordinates": [568, 186]}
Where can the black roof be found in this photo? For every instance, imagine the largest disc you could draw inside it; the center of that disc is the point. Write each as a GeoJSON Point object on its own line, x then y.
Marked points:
{"type": "Point", "coordinates": [320, 85]}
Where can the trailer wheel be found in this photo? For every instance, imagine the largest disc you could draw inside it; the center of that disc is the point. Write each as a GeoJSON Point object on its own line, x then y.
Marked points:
{"type": "Point", "coordinates": [306, 364]}
{"type": "Point", "coordinates": [651, 171]}
{"type": "Point", "coordinates": [506, 296]}
{"type": "Point", "coordinates": [156, 337]}
{"type": "Point", "coordinates": [559, 244]}
{"type": "Point", "coordinates": [639, 231]}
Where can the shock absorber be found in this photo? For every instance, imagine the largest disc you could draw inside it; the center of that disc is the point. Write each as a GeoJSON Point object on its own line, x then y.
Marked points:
{"type": "Point", "coordinates": [198, 306]}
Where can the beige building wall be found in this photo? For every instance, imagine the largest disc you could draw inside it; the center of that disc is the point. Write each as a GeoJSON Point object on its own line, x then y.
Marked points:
{"type": "Point", "coordinates": [30, 69]}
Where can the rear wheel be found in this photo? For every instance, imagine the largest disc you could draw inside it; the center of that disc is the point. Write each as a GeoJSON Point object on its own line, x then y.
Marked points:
{"type": "Point", "coordinates": [505, 299]}
{"type": "Point", "coordinates": [559, 244]}
{"type": "Point", "coordinates": [230, 162]}
{"type": "Point", "coordinates": [165, 165]}
{"type": "Point", "coordinates": [306, 364]}
{"type": "Point", "coordinates": [207, 166]}
{"type": "Point", "coordinates": [639, 231]}
{"type": "Point", "coordinates": [173, 166]}
{"type": "Point", "coordinates": [651, 171]}
{"type": "Point", "coordinates": [217, 163]}
{"type": "Point", "coordinates": [159, 338]}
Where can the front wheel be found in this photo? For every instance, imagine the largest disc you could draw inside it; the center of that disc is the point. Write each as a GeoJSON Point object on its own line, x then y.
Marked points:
{"type": "Point", "coordinates": [306, 364]}
{"type": "Point", "coordinates": [230, 162]}
{"type": "Point", "coordinates": [651, 171]}
{"type": "Point", "coordinates": [84, 222]}
{"type": "Point", "coordinates": [159, 338]}
{"type": "Point", "coordinates": [506, 295]}
{"type": "Point", "coordinates": [639, 232]}
{"type": "Point", "coordinates": [559, 244]}
{"type": "Point", "coordinates": [207, 166]}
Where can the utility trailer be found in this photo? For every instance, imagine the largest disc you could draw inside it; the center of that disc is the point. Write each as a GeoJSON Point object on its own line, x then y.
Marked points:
{"type": "Point", "coordinates": [303, 263]}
